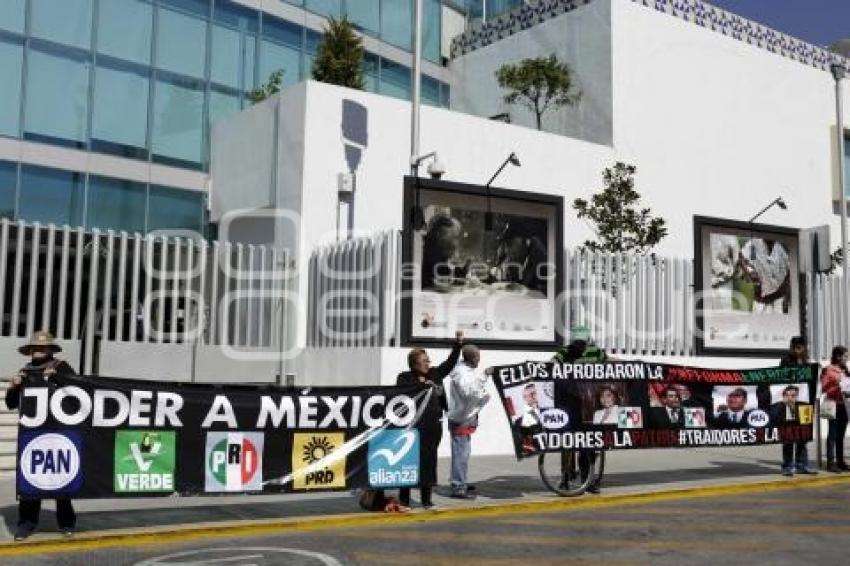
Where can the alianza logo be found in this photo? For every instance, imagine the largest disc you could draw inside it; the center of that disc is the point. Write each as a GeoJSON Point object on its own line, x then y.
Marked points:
{"type": "Point", "coordinates": [234, 461]}
{"type": "Point", "coordinates": [394, 458]}
{"type": "Point", "coordinates": [144, 461]}
{"type": "Point", "coordinates": [50, 462]}
{"type": "Point", "coordinates": [313, 467]}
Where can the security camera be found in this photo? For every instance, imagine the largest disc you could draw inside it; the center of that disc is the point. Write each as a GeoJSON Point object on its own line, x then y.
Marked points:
{"type": "Point", "coordinates": [436, 169]}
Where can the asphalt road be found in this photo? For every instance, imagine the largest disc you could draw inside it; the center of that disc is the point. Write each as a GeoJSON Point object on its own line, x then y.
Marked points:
{"type": "Point", "coordinates": [808, 525]}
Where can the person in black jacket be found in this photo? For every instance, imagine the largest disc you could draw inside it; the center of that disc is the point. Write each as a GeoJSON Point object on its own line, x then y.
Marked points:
{"type": "Point", "coordinates": [795, 455]}
{"type": "Point", "coordinates": [430, 424]}
{"type": "Point", "coordinates": [38, 371]}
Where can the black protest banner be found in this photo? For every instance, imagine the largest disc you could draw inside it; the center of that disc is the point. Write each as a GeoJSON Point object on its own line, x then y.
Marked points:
{"type": "Point", "coordinates": [629, 404]}
{"type": "Point", "coordinates": [100, 437]}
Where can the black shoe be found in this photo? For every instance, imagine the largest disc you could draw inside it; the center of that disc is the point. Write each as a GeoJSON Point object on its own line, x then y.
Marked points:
{"type": "Point", "coordinates": [833, 468]}
{"type": "Point", "coordinates": [842, 466]}
{"type": "Point", "coordinates": [428, 505]}
{"type": "Point", "coordinates": [593, 488]}
{"type": "Point", "coordinates": [67, 532]}
{"type": "Point", "coordinates": [23, 533]}
{"type": "Point", "coordinates": [806, 472]}
{"type": "Point", "coordinates": [470, 487]}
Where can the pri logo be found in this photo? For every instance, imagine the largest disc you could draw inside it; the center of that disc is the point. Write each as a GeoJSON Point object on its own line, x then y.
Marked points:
{"type": "Point", "coordinates": [234, 461]}
{"type": "Point", "coordinates": [394, 458]}
{"type": "Point", "coordinates": [144, 461]}
{"type": "Point", "coordinates": [50, 462]}
{"type": "Point", "coordinates": [758, 418]}
{"type": "Point", "coordinates": [554, 419]}
{"type": "Point", "coordinates": [313, 467]}
{"type": "Point", "coordinates": [629, 417]}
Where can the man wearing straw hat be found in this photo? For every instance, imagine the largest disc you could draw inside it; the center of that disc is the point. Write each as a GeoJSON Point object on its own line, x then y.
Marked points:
{"type": "Point", "coordinates": [37, 372]}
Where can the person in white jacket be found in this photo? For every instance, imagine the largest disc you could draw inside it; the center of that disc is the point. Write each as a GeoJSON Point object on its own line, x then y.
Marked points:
{"type": "Point", "coordinates": [467, 396]}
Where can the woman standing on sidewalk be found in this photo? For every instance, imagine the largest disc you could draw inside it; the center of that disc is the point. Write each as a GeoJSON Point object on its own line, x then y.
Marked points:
{"type": "Point", "coordinates": [830, 381]}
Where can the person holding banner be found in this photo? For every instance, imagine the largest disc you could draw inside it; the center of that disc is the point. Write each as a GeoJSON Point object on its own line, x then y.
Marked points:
{"type": "Point", "coordinates": [830, 381]}
{"type": "Point", "coordinates": [430, 423]}
{"type": "Point", "coordinates": [794, 454]}
{"type": "Point", "coordinates": [467, 396]}
{"type": "Point", "coordinates": [37, 373]}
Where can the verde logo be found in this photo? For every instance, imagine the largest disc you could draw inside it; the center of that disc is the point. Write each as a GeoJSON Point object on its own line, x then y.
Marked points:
{"type": "Point", "coordinates": [144, 461]}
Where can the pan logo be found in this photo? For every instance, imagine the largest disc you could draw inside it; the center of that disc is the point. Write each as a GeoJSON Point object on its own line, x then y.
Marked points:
{"type": "Point", "coordinates": [394, 458]}
{"type": "Point", "coordinates": [234, 461]}
{"type": "Point", "coordinates": [50, 462]}
{"type": "Point", "coordinates": [757, 418]}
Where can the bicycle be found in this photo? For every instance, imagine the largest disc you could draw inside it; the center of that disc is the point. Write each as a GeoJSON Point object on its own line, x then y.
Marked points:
{"type": "Point", "coordinates": [560, 474]}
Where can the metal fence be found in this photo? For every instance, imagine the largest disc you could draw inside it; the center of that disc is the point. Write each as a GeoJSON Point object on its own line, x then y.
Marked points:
{"type": "Point", "coordinates": [633, 304]}
{"type": "Point", "coordinates": [101, 287]}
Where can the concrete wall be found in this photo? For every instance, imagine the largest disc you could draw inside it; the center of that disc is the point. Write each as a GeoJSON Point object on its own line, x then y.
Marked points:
{"type": "Point", "coordinates": [580, 38]}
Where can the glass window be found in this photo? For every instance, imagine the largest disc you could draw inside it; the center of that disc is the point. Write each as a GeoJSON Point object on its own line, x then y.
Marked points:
{"type": "Point", "coordinates": [370, 72]}
{"type": "Point", "coordinates": [397, 23]}
{"type": "Point", "coordinates": [311, 46]}
{"type": "Point", "coordinates": [68, 21]}
{"type": "Point", "coordinates": [116, 203]}
{"type": "Point", "coordinates": [395, 80]}
{"type": "Point", "coordinates": [432, 11]}
{"type": "Point", "coordinates": [234, 34]}
{"type": "Point", "coordinates": [8, 181]}
{"type": "Point", "coordinates": [445, 95]}
{"type": "Point", "coordinates": [51, 195]}
{"type": "Point", "coordinates": [12, 15]}
{"type": "Point", "coordinates": [327, 7]}
{"type": "Point", "coordinates": [170, 208]}
{"type": "Point", "coordinates": [177, 121]}
{"type": "Point", "coordinates": [11, 54]}
{"type": "Point", "coordinates": [120, 113]}
{"type": "Point", "coordinates": [182, 37]}
{"type": "Point", "coordinates": [430, 91]}
{"type": "Point", "coordinates": [57, 96]}
{"type": "Point", "coordinates": [365, 15]}
{"type": "Point", "coordinates": [222, 105]}
{"type": "Point", "coordinates": [281, 50]}
{"type": "Point", "coordinates": [124, 29]}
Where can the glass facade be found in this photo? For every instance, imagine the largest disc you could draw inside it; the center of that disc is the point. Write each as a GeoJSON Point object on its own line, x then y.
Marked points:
{"type": "Point", "coordinates": [58, 196]}
{"type": "Point", "coordinates": [146, 79]}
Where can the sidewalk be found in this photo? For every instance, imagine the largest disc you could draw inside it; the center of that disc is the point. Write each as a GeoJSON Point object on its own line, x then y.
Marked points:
{"type": "Point", "coordinates": [499, 479]}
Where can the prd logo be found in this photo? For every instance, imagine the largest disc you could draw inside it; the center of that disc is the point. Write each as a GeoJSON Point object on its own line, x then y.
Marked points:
{"type": "Point", "coordinates": [394, 458]}
{"type": "Point", "coordinates": [313, 463]}
{"type": "Point", "coordinates": [234, 461]}
{"type": "Point", "coordinates": [50, 462]}
{"type": "Point", "coordinates": [144, 461]}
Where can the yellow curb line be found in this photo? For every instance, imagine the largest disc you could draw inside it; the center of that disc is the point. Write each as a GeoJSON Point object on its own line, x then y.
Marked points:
{"type": "Point", "coordinates": [257, 527]}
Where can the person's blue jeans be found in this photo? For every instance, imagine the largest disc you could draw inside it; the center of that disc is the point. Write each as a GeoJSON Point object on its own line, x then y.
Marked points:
{"type": "Point", "coordinates": [461, 449]}
{"type": "Point", "coordinates": [794, 456]}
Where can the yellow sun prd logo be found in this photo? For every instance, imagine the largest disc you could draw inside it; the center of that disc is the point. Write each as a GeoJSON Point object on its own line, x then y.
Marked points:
{"type": "Point", "coordinates": [313, 466]}
{"type": "Point", "coordinates": [805, 413]}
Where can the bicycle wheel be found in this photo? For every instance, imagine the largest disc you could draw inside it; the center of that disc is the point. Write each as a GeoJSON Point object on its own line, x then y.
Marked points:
{"type": "Point", "coordinates": [561, 477]}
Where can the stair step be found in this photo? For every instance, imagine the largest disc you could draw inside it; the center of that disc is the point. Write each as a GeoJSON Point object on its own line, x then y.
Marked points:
{"type": "Point", "coordinates": [7, 463]}
{"type": "Point", "coordinates": [8, 418]}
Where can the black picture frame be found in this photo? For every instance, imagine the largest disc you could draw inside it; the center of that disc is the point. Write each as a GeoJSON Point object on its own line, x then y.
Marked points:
{"type": "Point", "coordinates": [412, 214]}
{"type": "Point", "coordinates": [746, 228]}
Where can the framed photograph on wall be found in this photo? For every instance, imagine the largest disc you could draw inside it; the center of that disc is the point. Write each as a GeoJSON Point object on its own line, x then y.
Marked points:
{"type": "Point", "coordinates": [746, 287]}
{"type": "Point", "coordinates": [495, 280]}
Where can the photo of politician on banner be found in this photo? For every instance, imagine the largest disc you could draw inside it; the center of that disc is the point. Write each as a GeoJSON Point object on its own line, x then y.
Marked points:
{"type": "Point", "coordinates": [622, 404]}
{"type": "Point", "coordinates": [747, 287]}
{"type": "Point", "coordinates": [486, 265]}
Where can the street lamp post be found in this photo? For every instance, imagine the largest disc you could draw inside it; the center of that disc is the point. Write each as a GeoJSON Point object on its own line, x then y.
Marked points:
{"type": "Point", "coordinates": [416, 83]}
{"type": "Point", "coordinates": [839, 71]}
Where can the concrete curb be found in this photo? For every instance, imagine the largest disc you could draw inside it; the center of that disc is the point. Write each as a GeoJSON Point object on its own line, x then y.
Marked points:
{"type": "Point", "coordinates": [188, 532]}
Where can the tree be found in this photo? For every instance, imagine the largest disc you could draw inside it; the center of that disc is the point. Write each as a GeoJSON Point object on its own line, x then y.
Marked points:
{"type": "Point", "coordinates": [271, 88]}
{"type": "Point", "coordinates": [339, 59]}
{"type": "Point", "coordinates": [619, 225]}
{"type": "Point", "coordinates": [538, 84]}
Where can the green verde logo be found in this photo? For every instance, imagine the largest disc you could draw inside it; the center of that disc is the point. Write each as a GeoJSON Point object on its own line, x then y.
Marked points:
{"type": "Point", "coordinates": [144, 461]}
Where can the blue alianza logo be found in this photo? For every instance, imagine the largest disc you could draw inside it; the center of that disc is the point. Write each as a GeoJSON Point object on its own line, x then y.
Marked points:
{"type": "Point", "coordinates": [394, 458]}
